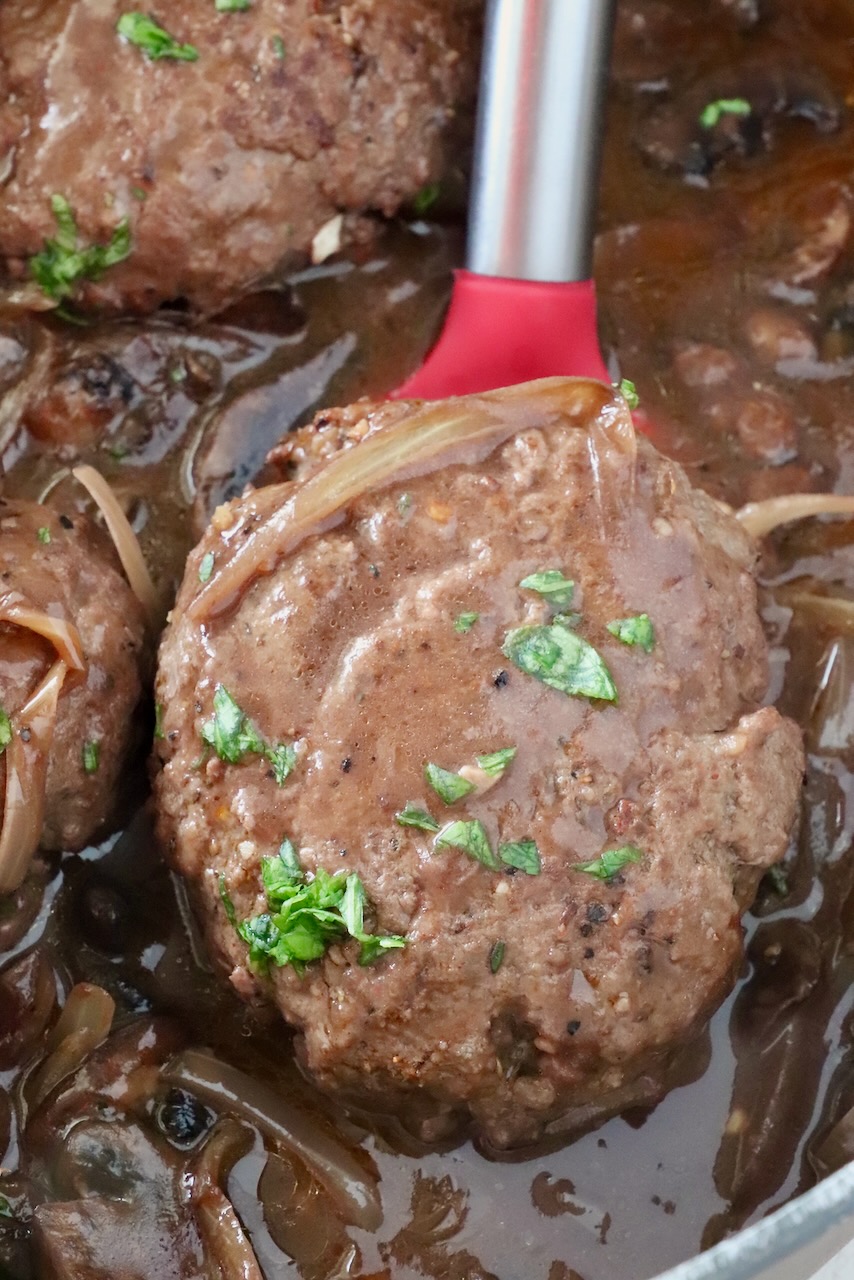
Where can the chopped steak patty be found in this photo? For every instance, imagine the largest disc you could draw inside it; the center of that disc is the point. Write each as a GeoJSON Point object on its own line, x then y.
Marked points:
{"type": "Point", "coordinates": [292, 113]}
{"type": "Point", "coordinates": [379, 646]}
{"type": "Point", "coordinates": [62, 566]}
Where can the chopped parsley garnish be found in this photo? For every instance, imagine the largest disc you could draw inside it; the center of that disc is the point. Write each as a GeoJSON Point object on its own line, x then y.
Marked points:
{"type": "Point", "coordinates": [404, 503]}
{"type": "Point", "coordinates": [778, 880]}
{"type": "Point", "coordinates": [712, 112]}
{"type": "Point", "coordinates": [494, 764]}
{"type": "Point", "coordinates": [521, 854]}
{"type": "Point", "coordinates": [283, 758]}
{"type": "Point", "coordinates": [496, 956]}
{"type": "Point", "coordinates": [232, 6]}
{"type": "Point", "coordinates": [449, 787]}
{"type": "Point", "coordinates": [5, 1208]}
{"type": "Point", "coordinates": [471, 837]}
{"type": "Point", "coordinates": [151, 38]}
{"type": "Point", "coordinates": [5, 731]}
{"type": "Point", "coordinates": [91, 756]}
{"type": "Point", "coordinates": [278, 47]}
{"type": "Point", "coordinates": [426, 198]}
{"type": "Point", "coordinates": [411, 816]}
{"type": "Point", "coordinates": [233, 736]}
{"type": "Point", "coordinates": [637, 630]}
{"type": "Point", "coordinates": [206, 566]}
{"type": "Point", "coordinates": [629, 392]}
{"type": "Point", "coordinates": [158, 721]}
{"type": "Point", "coordinates": [43, 535]}
{"type": "Point", "coordinates": [465, 621]}
{"type": "Point", "coordinates": [560, 658]}
{"type": "Point", "coordinates": [61, 265]}
{"type": "Point", "coordinates": [610, 863]}
{"type": "Point", "coordinates": [305, 916]}
{"type": "Point", "coordinates": [552, 584]}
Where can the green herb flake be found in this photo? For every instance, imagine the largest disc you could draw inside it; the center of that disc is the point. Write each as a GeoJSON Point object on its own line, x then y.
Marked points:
{"type": "Point", "coordinates": [158, 721]}
{"type": "Point", "coordinates": [5, 731]}
{"type": "Point", "coordinates": [634, 631]}
{"type": "Point", "coordinates": [464, 622]}
{"type": "Point", "coordinates": [43, 536]}
{"type": "Point", "coordinates": [425, 199]}
{"type": "Point", "coordinates": [206, 567]}
{"type": "Point", "coordinates": [552, 584]}
{"type": "Point", "coordinates": [404, 504]}
{"type": "Point", "coordinates": [561, 659]}
{"type": "Point", "coordinates": [494, 764]}
{"type": "Point", "coordinates": [496, 956]}
{"type": "Point", "coordinates": [713, 111]}
{"type": "Point", "coordinates": [449, 787]}
{"type": "Point", "coordinates": [411, 816]}
{"type": "Point", "coordinates": [471, 837]}
{"type": "Point", "coordinates": [521, 854]}
{"type": "Point", "coordinates": [61, 264]}
{"type": "Point", "coordinates": [5, 1208]}
{"type": "Point", "coordinates": [279, 47]}
{"type": "Point", "coordinates": [629, 392]}
{"type": "Point", "coordinates": [610, 863]}
{"type": "Point", "coordinates": [283, 758]}
{"type": "Point", "coordinates": [152, 39]}
{"type": "Point", "coordinates": [139, 193]}
{"type": "Point", "coordinates": [91, 756]}
{"type": "Point", "coordinates": [778, 880]}
{"type": "Point", "coordinates": [305, 915]}
{"type": "Point", "coordinates": [231, 734]}
{"type": "Point", "coordinates": [232, 6]}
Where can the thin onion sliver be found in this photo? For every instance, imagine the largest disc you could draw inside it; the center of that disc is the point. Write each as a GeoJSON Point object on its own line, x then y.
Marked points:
{"type": "Point", "coordinates": [760, 518]}
{"type": "Point", "coordinates": [26, 775]}
{"type": "Point", "coordinates": [63, 635]}
{"type": "Point", "coordinates": [124, 539]}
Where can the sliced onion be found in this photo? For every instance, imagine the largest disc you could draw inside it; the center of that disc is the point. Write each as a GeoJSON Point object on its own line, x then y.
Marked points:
{"type": "Point", "coordinates": [760, 518]}
{"type": "Point", "coordinates": [220, 1227]}
{"type": "Point", "coordinates": [227, 1088]}
{"type": "Point", "coordinates": [63, 635]}
{"type": "Point", "coordinates": [26, 776]}
{"type": "Point", "coordinates": [835, 611]}
{"type": "Point", "coordinates": [124, 539]}
{"type": "Point", "coordinates": [438, 434]}
{"type": "Point", "coordinates": [84, 1023]}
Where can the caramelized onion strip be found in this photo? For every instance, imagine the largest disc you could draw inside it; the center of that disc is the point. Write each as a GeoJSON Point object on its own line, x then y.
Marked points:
{"type": "Point", "coordinates": [833, 610]}
{"type": "Point", "coordinates": [220, 1228]}
{"type": "Point", "coordinates": [63, 635]}
{"type": "Point", "coordinates": [124, 539]}
{"type": "Point", "coordinates": [226, 1088]}
{"type": "Point", "coordinates": [439, 434]}
{"type": "Point", "coordinates": [84, 1023]}
{"type": "Point", "coordinates": [26, 776]}
{"type": "Point", "coordinates": [760, 518]}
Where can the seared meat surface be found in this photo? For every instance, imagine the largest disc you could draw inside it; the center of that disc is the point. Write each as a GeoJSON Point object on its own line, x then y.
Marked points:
{"type": "Point", "coordinates": [380, 642]}
{"type": "Point", "coordinates": [225, 165]}
{"type": "Point", "coordinates": [63, 567]}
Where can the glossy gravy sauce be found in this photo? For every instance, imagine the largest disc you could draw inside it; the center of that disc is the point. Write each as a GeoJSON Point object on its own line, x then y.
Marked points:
{"type": "Point", "coordinates": [726, 279]}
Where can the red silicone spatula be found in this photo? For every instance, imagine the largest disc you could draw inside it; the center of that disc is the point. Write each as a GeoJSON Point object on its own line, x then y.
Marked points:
{"type": "Point", "coordinates": [525, 306]}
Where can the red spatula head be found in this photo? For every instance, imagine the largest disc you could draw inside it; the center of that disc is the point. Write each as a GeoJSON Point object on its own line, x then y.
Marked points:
{"type": "Point", "coordinates": [498, 332]}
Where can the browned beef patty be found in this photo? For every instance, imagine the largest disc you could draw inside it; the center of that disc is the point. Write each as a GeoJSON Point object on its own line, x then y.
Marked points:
{"type": "Point", "coordinates": [294, 111]}
{"type": "Point", "coordinates": [64, 567]}
{"type": "Point", "coordinates": [354, 646]}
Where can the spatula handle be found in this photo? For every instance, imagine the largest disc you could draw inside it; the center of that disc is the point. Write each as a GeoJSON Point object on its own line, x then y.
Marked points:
{"type": "Point", "coordinates": [534, 187]}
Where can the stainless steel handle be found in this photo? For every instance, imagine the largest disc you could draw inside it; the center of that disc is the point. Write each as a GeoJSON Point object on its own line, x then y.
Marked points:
{"type": "Point", "coordinates": [534, 186]}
